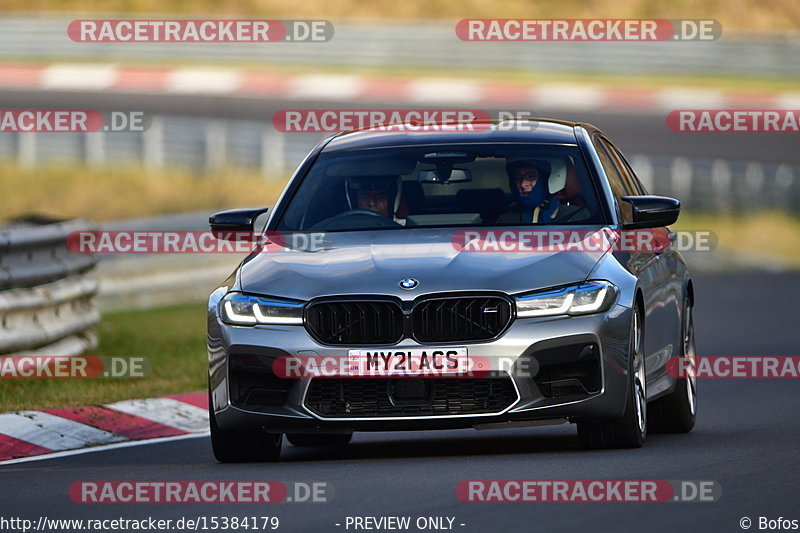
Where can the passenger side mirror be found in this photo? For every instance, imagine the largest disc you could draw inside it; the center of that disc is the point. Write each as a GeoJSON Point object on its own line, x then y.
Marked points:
{"type": "Point", "coordinates": [235, 224]}
{"type": "Point", "coordinates": [652, 211]}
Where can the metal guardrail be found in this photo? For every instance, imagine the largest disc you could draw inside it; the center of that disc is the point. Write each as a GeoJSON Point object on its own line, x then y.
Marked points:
{"type": "Point", "coordinates": [721, 185]}
{"type": "Point", "coordinates": [206, 144]}
{"type": "Point", "coordinates": [46, 292]}
{"type": "Point", "coordinates": [420, 44]}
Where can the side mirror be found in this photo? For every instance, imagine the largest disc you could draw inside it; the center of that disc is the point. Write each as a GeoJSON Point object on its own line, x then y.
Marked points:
{"type": "Point", "coordinates": [235, 224]}
{"type": "Point", "coordinates": [652, 211]}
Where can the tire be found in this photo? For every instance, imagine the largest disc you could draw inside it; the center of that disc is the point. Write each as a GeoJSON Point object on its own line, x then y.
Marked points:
{"type": "Point", "coordinates": [243, 446]}
{"type": "Point", "coordinates": [630, 430]}
{"type": "Point", "coordinates": [319, 439]}
{"type": "Point", "coordinates": [676, 412]}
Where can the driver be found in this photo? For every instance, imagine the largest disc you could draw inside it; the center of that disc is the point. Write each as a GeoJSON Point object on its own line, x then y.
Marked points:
{"type": "Point", "coordinates": [375, 200]}
{"type": "Point", "coordinates": [379, 194]}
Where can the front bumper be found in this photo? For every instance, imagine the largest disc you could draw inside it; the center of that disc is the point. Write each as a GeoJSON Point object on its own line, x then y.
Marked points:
{"type": "Point", "coordinates": [540, 356]}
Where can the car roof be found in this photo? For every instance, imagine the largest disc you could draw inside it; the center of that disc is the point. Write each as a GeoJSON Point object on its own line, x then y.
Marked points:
{"type": "Point", "coordinates": [534, 130]}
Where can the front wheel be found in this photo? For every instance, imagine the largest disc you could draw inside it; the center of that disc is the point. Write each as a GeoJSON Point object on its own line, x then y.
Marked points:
{"type": "Point", "coordinates": [242, 446]}
{"type": "Point", "coordinates": [630, 430]}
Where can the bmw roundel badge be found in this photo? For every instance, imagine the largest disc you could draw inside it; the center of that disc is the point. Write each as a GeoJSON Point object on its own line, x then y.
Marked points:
{"type": "Point", "coordinates": [408, 283]}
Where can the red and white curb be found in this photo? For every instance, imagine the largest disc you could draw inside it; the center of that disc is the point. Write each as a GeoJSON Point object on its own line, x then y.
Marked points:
{"type": "Point", "coordinates": [49, 431]}
{"type": "Point", "coordinates": [353, 88]}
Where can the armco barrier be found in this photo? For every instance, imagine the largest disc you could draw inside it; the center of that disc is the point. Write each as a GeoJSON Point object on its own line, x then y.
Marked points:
{"type": "Point", "coordinates": [46, 292]}
{"type": "Point", "coordinates": [207, 145]}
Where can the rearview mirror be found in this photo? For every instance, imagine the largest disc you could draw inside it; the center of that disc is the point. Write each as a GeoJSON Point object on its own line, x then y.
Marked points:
{"type": "Point", "coordinates": [652, 211]}
{"type": "Point", "coordinates": [440, 175]}
{"type": "Point", "coordinates": [235, 224]}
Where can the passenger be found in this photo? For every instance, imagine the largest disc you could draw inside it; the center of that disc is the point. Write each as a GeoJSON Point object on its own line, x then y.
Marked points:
{"type": "Point", "coordinates": [533, 204]}
{"type": "Point", "coordinates": [529, 182]}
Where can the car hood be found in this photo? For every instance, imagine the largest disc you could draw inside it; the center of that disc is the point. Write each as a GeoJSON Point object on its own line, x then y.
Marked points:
{"type": "Point", "coordinates": [374, 262]}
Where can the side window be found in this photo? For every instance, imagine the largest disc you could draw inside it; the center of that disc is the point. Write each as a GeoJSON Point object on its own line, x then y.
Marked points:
{"type": "Point", "coordinates": [615, 179]}
{"type": "Point", "coordinates": [619, 186]}
{"type": "Point", "coordinates": [633, 179]}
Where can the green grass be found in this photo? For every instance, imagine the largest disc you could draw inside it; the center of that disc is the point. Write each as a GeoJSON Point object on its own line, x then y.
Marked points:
{"type": "Point", "coordinates": [127, 191]}
{"type": "Point", "coordinates": [767, 234]}
{"type": "Point", "coordinates": [173, 339]}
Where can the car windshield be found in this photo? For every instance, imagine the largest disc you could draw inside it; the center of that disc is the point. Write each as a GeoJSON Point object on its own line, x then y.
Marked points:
{"type": "Point", "coordinates": [444, 185]}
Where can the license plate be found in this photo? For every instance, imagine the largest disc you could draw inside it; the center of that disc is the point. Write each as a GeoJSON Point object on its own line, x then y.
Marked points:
{"type": "Point", "coordinates": [408, 362]}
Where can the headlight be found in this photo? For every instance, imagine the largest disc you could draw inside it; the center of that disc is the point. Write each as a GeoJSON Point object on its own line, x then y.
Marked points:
{"type": "Point", "coordinates": [582, 299]}
{"type": "Point", "coordinates": [247, 310]}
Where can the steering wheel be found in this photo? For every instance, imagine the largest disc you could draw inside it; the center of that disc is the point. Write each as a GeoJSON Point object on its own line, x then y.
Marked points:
{"type": "Point", "coordinates": [353, 212]}
{"type": "Point", "coordinates": [340, 221]}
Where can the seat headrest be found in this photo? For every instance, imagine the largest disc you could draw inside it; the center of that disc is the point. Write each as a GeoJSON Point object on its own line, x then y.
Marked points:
{"type": "Point", "coordinates": [558, 175]}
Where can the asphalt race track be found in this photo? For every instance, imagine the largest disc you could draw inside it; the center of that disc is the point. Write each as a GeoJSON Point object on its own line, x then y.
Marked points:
{"type": "Point", "coordinates": [745, 439]}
